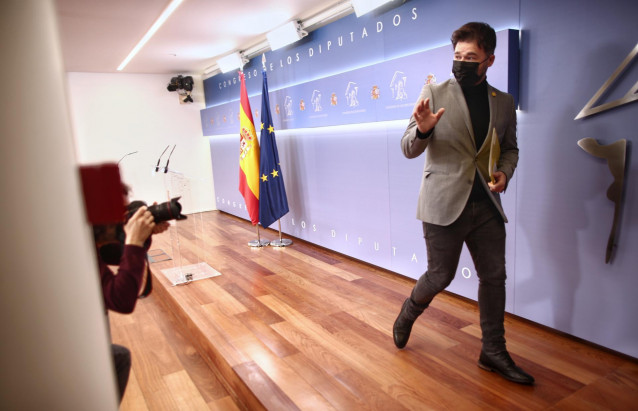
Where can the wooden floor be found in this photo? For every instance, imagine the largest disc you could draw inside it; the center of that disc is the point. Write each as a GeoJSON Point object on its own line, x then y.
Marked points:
{"type": "Point", "coordinates": [303, 328]}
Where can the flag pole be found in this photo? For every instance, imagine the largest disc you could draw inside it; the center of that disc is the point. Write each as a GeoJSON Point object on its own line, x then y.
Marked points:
{"type": "Point", "coordinates": [275, 203]}
{"type": "Point", "coordinates": [282, 242]}
{"type": "Point", "coordinates": [258, 242]}
{"type": "Point", "coordinates": [247, 158]}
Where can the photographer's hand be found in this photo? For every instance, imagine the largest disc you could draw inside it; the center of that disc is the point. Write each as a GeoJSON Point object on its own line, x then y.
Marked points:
{"type": "Point", "coordinates": [139, 227]}
{"type": "Point", "coordinates": [161, 226]}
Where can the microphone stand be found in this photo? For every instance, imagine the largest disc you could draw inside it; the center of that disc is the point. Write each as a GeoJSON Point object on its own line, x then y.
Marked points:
{"type": "Point", "coordinates": [160, 158]}
{"type": "Point", "coordinates": [169, 158]}
{"type": "Point", "coordinates": [125, 155]}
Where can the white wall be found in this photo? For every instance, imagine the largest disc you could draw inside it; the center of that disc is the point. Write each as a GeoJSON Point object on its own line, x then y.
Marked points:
{"type": "Point", "coordinates": [116, 114]}
{"type": "Point", "coordinates": [54, 346]}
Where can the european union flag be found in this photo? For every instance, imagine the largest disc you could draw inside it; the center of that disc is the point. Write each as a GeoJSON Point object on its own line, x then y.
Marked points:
{"type": "Point", "coordinates": [273, 203]}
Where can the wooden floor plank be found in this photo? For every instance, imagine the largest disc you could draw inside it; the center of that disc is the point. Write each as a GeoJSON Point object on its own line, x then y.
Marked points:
{"type": "Point", "coordinates": [207, 383]}
{"type": "Point", "coordinates": [133, 396]}
{"type": "Point", "coordinates": [146, 390]}
{"type": "Point", "coordinates": [339, 397]}
{"type": "Point", "coordinates": [184, 392]}
{"type": "Point", "coordinates": [270, 394]}
{"type": "Point", "coordinates": [305, 328]}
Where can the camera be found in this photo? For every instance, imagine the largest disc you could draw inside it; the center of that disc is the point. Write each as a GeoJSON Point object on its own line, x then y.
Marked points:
{"type": "Point", "coordinates": [111, 252]}
{"type": "Point", "coordinates": [180, 83]}
{"type": "Point", "coordinates": [170, 210]}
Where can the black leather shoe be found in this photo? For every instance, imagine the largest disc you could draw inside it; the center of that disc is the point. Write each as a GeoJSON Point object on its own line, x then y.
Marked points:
{"type": "Point", "coordinates": [402, 327]}
{"type": "Point", "coordinates": [503, 364]}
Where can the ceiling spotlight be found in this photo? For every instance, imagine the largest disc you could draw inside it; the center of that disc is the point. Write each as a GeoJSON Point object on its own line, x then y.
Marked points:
{"type": "Point", "coordinates": [232, 62]}
{"type": "Point", "coordinates": [362, 7]}
{"type": "Point", "coordinates": [285, 35]}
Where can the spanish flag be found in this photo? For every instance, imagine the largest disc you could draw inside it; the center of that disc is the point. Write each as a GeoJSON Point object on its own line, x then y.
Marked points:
{"type": "Point", "coordinates": [248, 156]}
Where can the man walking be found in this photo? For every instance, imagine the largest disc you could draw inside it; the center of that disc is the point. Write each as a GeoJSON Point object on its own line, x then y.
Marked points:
{"type": "Point", "coordinates": [458, 202]}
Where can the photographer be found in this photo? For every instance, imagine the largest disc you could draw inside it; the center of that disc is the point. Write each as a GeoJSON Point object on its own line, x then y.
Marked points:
{"type": "Point", "coordinates": [132, 281]}
{"type": "Point", "coordinates": [121, 290]}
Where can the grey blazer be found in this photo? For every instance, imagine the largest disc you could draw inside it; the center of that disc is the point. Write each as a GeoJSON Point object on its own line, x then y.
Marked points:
{"type": "Point", "coordinates": [451, 158]}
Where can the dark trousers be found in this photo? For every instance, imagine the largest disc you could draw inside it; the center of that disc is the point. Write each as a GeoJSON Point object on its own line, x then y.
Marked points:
{"type": "Point", "coordinates": [122, 362]}
{"type": "Point", "coordinates": [482, 229]}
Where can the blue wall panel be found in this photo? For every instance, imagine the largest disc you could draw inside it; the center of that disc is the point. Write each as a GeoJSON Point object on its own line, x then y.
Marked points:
{"type": "Point", "coordinates": [569, 49]}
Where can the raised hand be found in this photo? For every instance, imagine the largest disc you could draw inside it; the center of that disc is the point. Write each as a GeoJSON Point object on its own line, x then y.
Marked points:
{"type": "Point", "coordinates": [425, 119]}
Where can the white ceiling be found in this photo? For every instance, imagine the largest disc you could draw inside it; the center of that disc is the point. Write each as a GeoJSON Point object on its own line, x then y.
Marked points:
{"type": "Point", "coordinates": [96, 35]}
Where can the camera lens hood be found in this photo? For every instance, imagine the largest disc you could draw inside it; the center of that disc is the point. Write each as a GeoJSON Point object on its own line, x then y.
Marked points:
{"type": "Point", "coordinates": [170, 210]}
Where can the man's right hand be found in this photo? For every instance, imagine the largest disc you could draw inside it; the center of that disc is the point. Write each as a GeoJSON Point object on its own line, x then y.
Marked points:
{"type": "Point", "coordinates": [139, 227]}
{"type": "Point", "coordinates": [425, 119]}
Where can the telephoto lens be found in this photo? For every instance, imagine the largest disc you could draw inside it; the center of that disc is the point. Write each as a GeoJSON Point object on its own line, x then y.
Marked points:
{"type": "Point", "coordinates": [170, 210]}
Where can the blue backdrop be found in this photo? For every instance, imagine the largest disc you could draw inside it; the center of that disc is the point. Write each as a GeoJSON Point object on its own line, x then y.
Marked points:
{"type": "Point", "coordinates": [380, 92]}
{"type": "Point", "coordinates": [351, 190]}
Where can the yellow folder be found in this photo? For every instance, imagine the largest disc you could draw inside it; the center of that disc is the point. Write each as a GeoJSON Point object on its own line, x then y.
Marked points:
{"type": "Point", "coordinates": [495, 153]}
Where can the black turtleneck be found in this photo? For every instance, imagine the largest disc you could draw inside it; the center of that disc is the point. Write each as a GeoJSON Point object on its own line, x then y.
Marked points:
{"type": "Point", "coordinates": [479, 106]}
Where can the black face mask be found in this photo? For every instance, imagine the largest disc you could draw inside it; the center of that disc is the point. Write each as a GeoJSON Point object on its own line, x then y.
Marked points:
{"type": "Point", "coordinates": [466, 72]}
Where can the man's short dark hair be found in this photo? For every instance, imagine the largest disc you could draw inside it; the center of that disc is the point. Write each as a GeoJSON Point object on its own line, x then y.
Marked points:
{"type": "Point", "coordinates": [482, 33]}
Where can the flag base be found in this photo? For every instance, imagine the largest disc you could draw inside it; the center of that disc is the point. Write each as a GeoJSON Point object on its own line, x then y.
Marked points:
{"type": "Point", "coordinates": [285, 242]}
{"type": "Point", "coordinates": [258, 243]}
